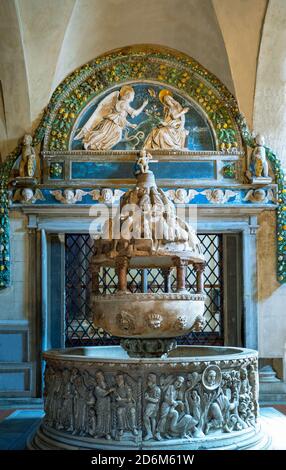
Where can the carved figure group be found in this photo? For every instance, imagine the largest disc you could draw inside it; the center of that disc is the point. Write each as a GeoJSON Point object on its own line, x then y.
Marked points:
{"type": "Point", "coordinates": [199, 404]}
{"type": "Point", "coordinates": [108, 406]}
{"type": "Point", "coordinates": [90, 405]}
{"type": "Point", "coordinates": [156, 220]}
{"type": "Point", "coordinates": [173, 419]}
{"type": "Point", "coordinates": [104, 129]}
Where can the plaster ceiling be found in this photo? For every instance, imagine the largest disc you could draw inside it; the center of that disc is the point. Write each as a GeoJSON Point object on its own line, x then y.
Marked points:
{"type": "Point", "coordinates": [42, 41]}
{"type": "Point", "coordinates": [270, 94]}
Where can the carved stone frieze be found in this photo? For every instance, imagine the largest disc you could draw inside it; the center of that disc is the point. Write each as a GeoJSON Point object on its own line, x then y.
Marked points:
{"type": "Point", "coordinates": [146, 315]}
{"type": "Point", "coordinates": [159, 400]}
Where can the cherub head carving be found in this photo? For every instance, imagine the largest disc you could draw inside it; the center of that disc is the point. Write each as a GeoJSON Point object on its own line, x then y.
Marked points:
{"type": "Point", "coordinates": [154, 320]}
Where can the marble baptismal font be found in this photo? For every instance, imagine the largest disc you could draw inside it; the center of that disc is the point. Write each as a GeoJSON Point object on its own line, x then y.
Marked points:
{"type": "Point", "coordinates": [149, 392]}
{"type": "Point", "coordinates": [151, 235]}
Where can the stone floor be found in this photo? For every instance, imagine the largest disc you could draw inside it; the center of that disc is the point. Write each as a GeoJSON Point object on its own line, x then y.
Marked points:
{"type": "Point", "coordinates": [17, 425]}
{"type": "Point", "coordinates": [273, 420]}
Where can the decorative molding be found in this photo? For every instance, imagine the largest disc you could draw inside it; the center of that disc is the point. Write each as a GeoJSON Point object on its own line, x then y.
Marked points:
{"type": "Point", "coordinates": [69, 357]}
{"type": "Point", "coordinates": [152, 296]}
{"type": "Point", "coordinates": [112, 155]}
{"type": "Point", "coordinates": [241, 195]}
{"type": "Point", "coordinates": [144, 63]}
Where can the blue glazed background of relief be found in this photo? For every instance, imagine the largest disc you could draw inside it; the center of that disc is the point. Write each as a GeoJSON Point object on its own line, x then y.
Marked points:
{"type": "Point", "coordinates": [200, 134]}
{"type": "Point", "coordinates": [125, 170]}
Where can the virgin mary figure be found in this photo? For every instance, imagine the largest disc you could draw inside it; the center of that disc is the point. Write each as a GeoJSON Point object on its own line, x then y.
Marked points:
{"type": "Point", "coordinates": [104, 128]}
{"type": "Point", "coordinates": [171, 133]}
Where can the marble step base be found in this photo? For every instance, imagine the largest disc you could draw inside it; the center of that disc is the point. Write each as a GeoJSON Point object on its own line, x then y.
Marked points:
{"type": "Point", "coordinates": [50, 439]}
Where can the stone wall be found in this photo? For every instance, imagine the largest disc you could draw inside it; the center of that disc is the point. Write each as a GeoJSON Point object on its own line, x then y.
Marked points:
{"type": "Point", "coordinates": [17, 319]}
{"type": "Point", "coordinates": [269, 118]}
{"type": "Point", "coordinates": [271, 295]}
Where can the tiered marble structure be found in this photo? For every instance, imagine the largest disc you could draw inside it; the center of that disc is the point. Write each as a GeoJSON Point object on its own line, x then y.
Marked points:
{"type": "Point", "coordinates": [148, 393]}
{"type": "Point", "coordinates": [151, 236]}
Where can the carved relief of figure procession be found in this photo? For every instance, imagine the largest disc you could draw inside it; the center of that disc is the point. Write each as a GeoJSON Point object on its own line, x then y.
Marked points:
{"type": "Point", "coordinates": [190, 405]}
{"type": "Point", "coordinates": [90, 405]}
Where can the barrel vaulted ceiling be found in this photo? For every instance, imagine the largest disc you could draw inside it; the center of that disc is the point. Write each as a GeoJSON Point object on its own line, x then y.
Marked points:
{"type": "Point", "coordinates": [42, 41]}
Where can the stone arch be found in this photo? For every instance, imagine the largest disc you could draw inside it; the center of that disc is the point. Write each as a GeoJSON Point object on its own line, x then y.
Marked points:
{"type": "Point", "coordinates": [142, 62]}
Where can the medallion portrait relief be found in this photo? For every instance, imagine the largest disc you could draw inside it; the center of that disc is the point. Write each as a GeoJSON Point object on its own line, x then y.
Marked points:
{"type": "Point", "coordinates": [212, 377]}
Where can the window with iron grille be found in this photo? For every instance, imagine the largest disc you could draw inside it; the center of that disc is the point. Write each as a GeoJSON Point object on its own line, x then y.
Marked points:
{"type": "Point", "coordinates": [78, 311]}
